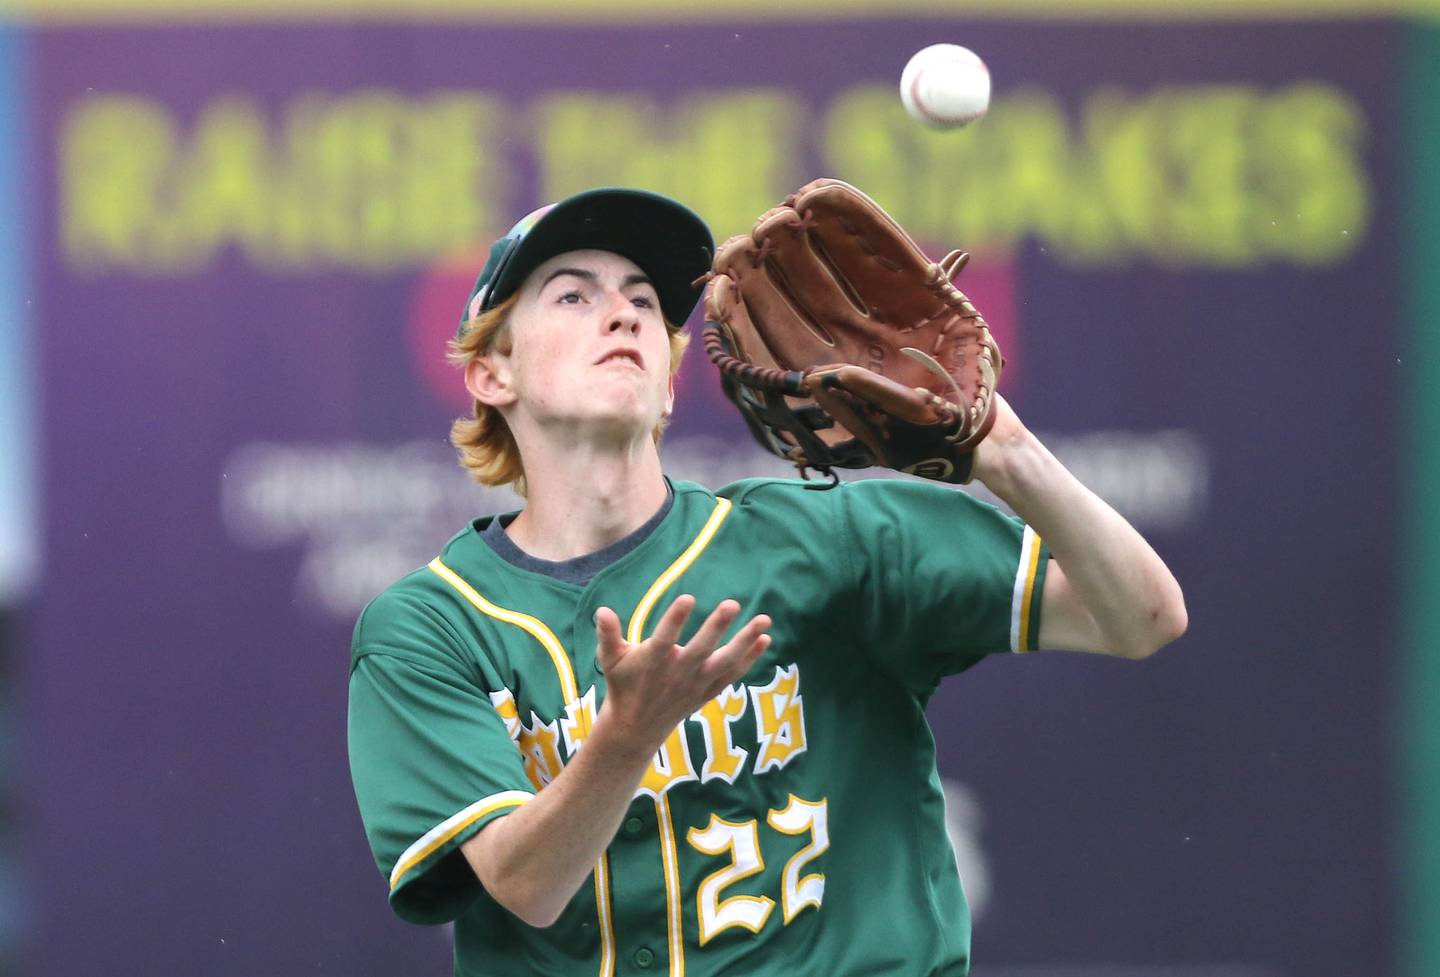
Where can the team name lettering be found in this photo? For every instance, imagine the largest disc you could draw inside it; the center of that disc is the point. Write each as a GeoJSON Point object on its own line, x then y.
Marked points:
{"type": "Point", "coordinates": [539, 745]}
{"type": "Point", "coordinates": [779, 719]}
{"type": "Point", "coordinates": [723, 759]}
{"type": "Point", "coordinates": [504, 703]}
{"type": "Point", "coordinates": [579, 718]}
{"type": "Point", "coordinates": [671, 765]}
{"type": "Point", "coordinates": [777, 708]}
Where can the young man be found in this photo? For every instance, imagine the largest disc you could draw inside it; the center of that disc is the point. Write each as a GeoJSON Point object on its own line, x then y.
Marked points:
{"type": "Point", "coordinates": [640, 727]}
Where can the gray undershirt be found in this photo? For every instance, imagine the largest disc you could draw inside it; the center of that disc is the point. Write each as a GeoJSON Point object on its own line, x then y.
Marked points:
{"type": "Point", "coordinates": [582, 569]}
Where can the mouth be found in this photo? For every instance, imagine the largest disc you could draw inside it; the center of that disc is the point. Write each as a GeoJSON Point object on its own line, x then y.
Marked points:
{"type": "Point", "coordinates": [622, 356]}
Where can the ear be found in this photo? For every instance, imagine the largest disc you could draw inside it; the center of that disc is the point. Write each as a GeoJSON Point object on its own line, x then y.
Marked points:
{"type": "Point", "coordinates": [669, 398]}
{"type": "Point", "coordinates": [490, 379]}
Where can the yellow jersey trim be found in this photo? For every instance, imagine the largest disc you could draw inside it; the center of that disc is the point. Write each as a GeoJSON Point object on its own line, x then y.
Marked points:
{"type": "Point", "coordinates": [635, 633]}
{"type": "Point", "coordinates": [602, 909]}
{"type": "Point", "coordinates": [541, 633]}
{"type": "Point", "coordinates": [534, 626]}
{"type": "Point", "coordinates": [442, 833]}
{"type": "Point", "coordinates": [674, 903]}
{"type": "Point", "coordinates": [1022, 637]}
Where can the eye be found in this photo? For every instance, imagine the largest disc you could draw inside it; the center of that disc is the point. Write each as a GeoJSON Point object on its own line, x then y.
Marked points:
{"type": "Point", "coordinates": [643, 301]}
{"type": "Point", "coordinates": [569, 298]}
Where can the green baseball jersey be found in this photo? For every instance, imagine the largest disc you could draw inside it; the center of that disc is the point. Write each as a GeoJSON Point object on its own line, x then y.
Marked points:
{"type": "Point", "coordinates": [793, 823]}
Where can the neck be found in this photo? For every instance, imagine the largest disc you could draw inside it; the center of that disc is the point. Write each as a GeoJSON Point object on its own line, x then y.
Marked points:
{"type": "Point", "coordinates": [587, 499]}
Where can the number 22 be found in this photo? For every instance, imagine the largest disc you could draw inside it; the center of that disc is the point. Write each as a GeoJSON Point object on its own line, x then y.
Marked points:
{"type": "Point", "coordinates": [742, 842]}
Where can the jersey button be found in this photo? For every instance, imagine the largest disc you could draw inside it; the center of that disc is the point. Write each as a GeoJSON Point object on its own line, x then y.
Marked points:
{"type": "Point", "coordinates": [633, 827]}
{"type": "Point", "coordinates": [644, 957]}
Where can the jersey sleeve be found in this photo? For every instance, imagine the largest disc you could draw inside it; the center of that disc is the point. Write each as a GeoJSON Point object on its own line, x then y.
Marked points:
{"type": "Point", "coordinates": [943, 578]}
{"type": "Point", "coordinates": [431, 758]}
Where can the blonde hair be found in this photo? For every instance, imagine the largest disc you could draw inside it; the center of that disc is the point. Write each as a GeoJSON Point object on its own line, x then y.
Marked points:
{"type": "Point", "coordinates": [483, 441]}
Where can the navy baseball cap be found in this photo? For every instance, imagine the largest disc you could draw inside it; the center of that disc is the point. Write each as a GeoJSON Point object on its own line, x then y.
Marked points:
{"type": "Point", "coordinates": [666, 240]}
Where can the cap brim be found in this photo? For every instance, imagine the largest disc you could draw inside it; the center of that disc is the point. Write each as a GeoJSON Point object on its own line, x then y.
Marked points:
{"type": "Point", "coordinates": [667, 240]}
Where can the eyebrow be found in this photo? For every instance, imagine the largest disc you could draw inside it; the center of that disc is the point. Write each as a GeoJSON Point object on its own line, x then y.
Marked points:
{"type": "Point", "coordinates": [590, 276]}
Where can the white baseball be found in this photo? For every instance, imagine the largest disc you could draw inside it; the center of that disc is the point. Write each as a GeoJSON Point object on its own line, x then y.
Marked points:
{"type": "Point", "coordinates": [945, 86]}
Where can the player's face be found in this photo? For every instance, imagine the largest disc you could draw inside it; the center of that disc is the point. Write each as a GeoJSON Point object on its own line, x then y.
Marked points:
{"type": "Point", "coordinates": [590, 349]}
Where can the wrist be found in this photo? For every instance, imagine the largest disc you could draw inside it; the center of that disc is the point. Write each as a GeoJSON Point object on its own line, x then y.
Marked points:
{"type": "Point", "coordinates": [623, 741]}
{"type": "Point", "coordinates": [1006, 463]}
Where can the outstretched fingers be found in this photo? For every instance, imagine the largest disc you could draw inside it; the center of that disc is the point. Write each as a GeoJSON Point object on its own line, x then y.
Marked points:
{"type": "Point", "coordinates": [704, 641]}
{"type": "Point", "coordinates": [704, 662]}
{"type": "Point", "coordinates": [672, 622]}
{"type": "Point", "coordinates": [734, 658]}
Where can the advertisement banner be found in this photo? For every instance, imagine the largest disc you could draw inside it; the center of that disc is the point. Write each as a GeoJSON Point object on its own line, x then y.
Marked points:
{"type": "Point", "coordinates": [252, 243]}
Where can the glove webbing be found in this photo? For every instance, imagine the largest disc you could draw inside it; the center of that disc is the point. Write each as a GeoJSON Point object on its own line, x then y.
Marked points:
{"type": "Point", "coordinates": [760, 394]}
{"type": "Point", "coordinates": [791, 382]}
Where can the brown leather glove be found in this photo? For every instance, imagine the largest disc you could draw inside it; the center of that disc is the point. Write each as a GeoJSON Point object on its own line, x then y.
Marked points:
{"type": "Point", "coordinates": [844, 346]}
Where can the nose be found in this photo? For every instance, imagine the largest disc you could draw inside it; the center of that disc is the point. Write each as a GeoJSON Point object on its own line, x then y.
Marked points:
{"type": "Point", "coordinates": [622, 315]}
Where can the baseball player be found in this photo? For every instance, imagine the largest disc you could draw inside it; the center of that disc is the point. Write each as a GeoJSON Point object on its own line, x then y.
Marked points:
{"type": "Point", "coordinates": [640, 727]}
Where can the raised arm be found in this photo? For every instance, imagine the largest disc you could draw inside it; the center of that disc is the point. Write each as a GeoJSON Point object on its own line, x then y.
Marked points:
{"type": "Point", "coordinates": [1106, 589]}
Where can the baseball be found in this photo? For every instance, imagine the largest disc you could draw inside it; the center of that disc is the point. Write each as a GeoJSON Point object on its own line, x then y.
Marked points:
{"type": "Point", "coordinates": [945, 86]}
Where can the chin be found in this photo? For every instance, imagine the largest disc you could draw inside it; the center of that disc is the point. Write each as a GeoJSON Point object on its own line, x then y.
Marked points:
{"type": "Point", "coordinates": [624, 421]}
{"type": "Point", "coordinates": [623, 402]}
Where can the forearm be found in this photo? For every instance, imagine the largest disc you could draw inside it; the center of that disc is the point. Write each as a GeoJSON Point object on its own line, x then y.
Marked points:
{"type": "Point", "coordinates": [534, 860]}
{"type": "Point", "coordinates": [1131, 596]}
